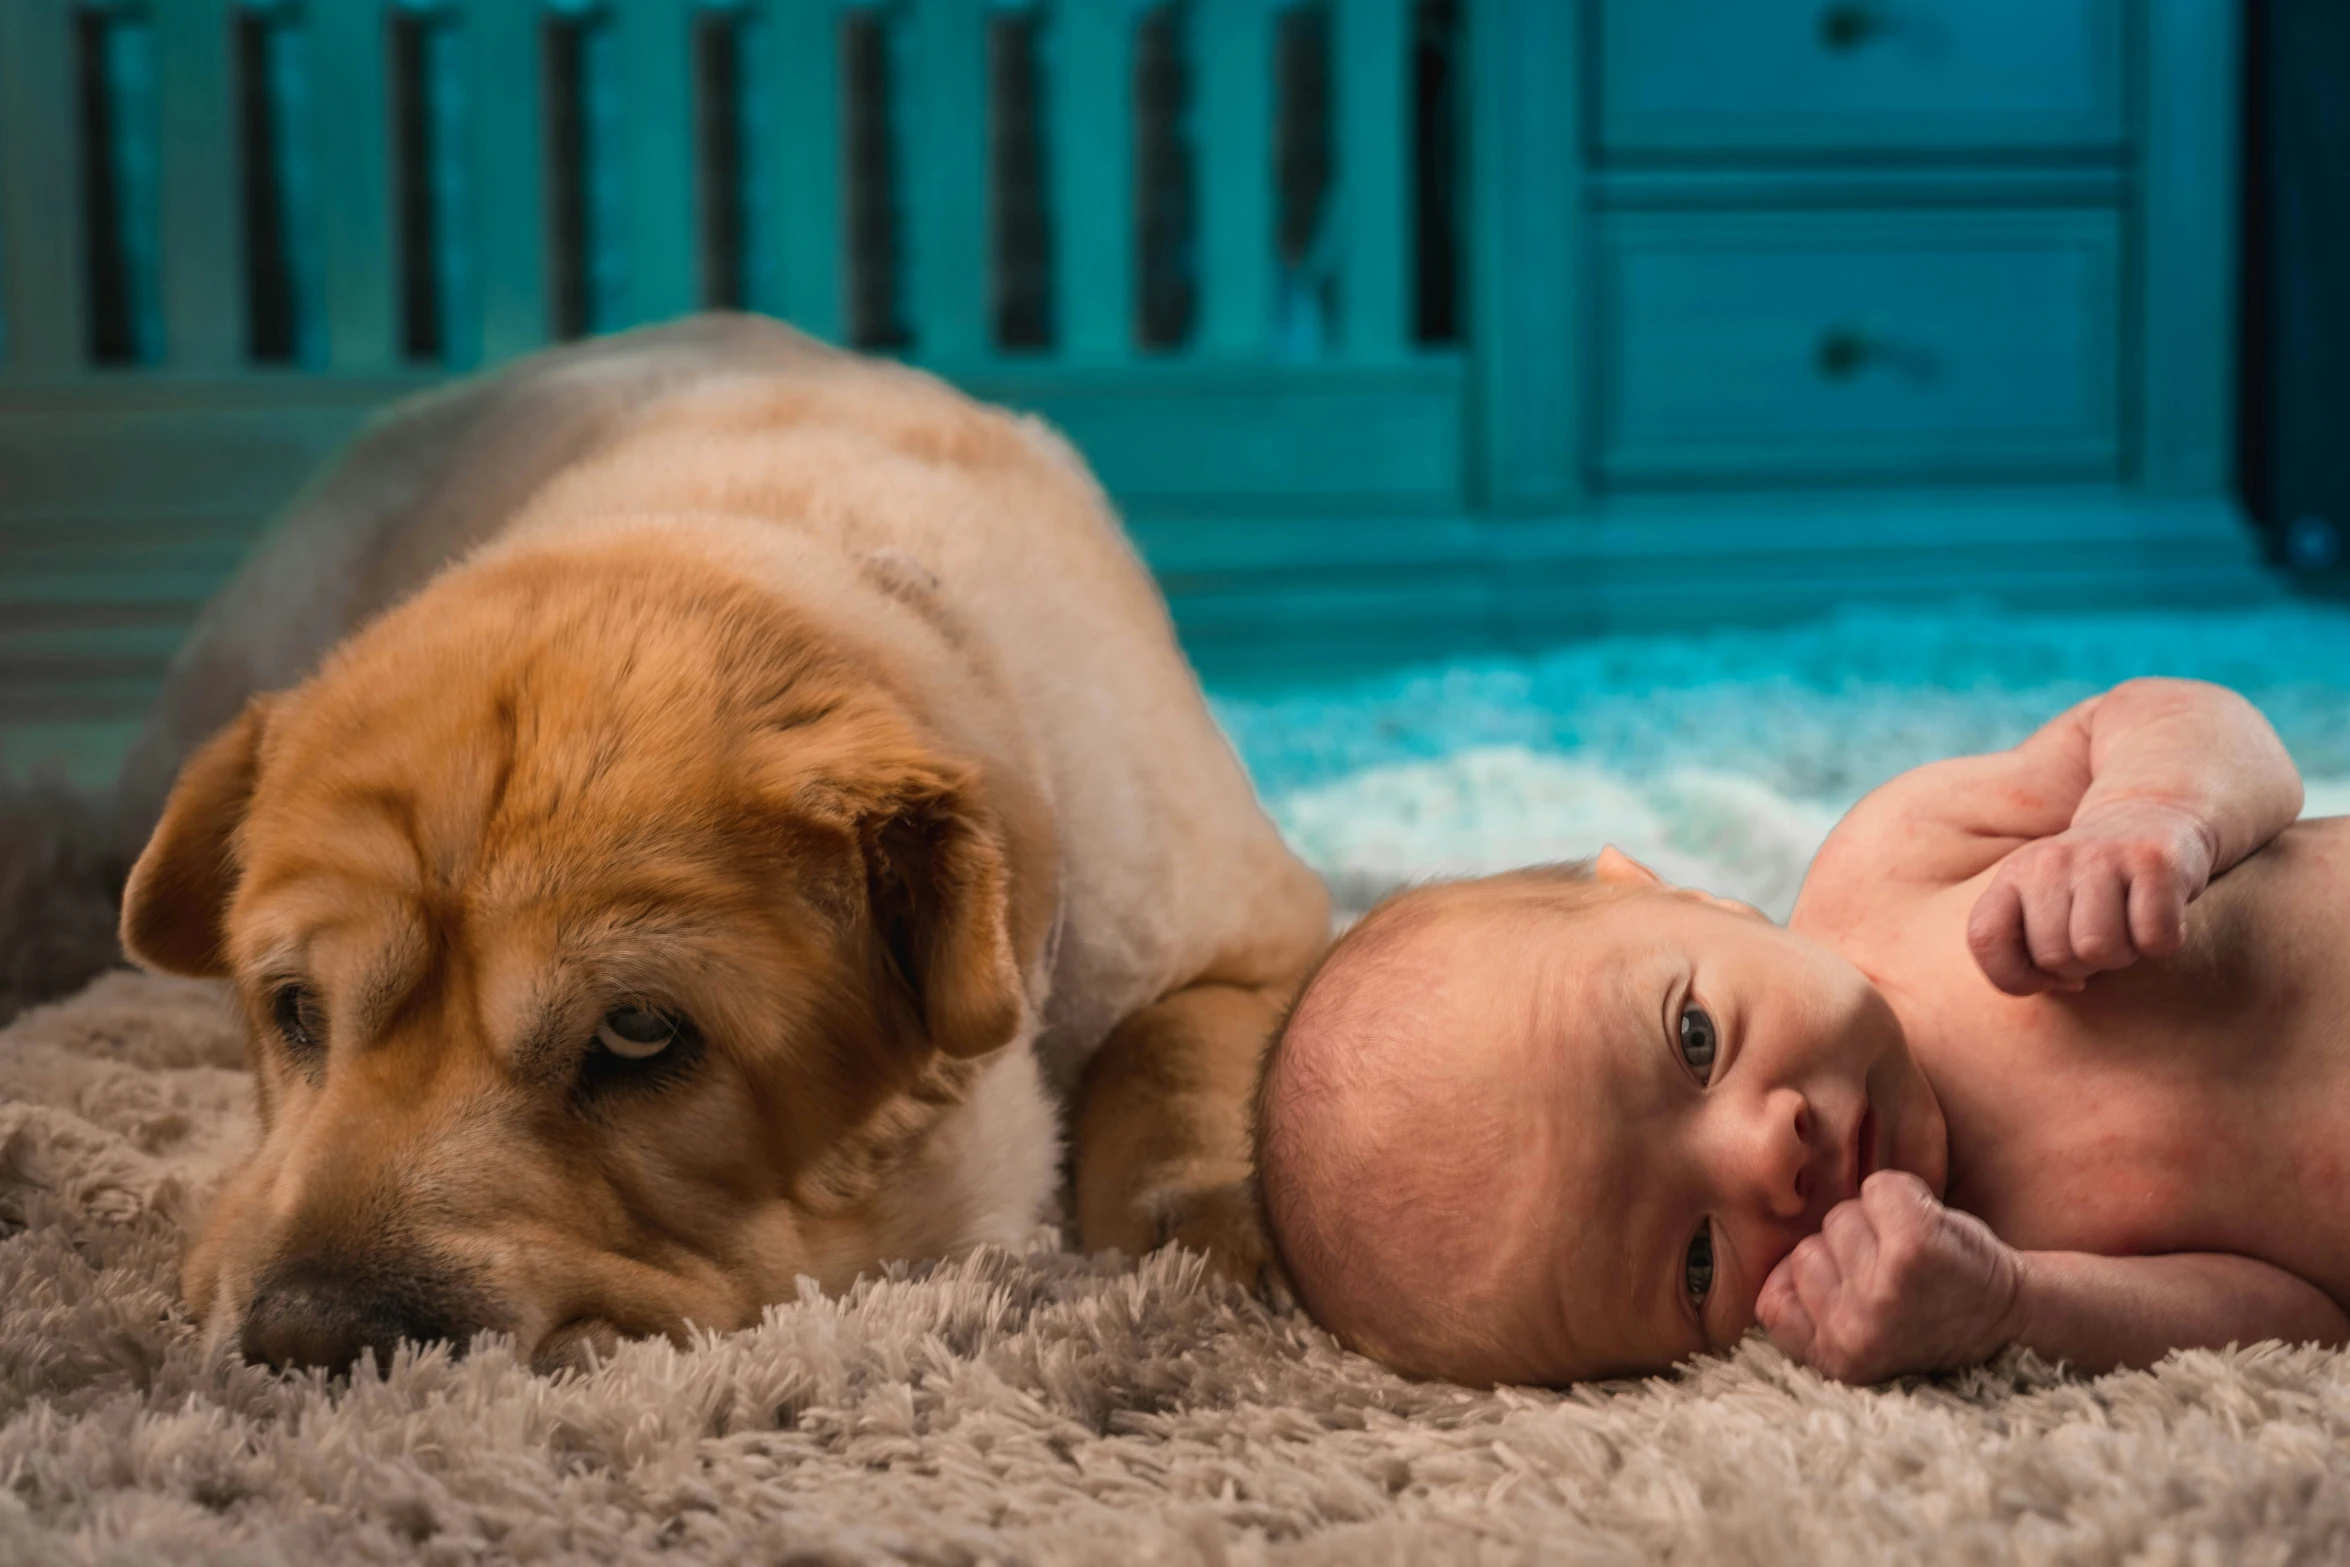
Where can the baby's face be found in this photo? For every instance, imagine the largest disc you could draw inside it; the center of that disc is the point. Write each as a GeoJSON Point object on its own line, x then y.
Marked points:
{"type": "Point", "coordinates": [1692, 1088]}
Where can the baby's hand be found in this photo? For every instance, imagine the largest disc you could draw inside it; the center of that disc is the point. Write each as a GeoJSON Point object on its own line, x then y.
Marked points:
{"type": "Point", "coordinates": [2107, 891]}
{"type": "Point", "coordinates": [1893, 1282]}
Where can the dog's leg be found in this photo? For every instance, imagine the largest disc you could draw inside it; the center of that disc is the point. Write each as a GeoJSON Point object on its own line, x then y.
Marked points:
{"type": "Point", "coordinates": [1162, 1128]}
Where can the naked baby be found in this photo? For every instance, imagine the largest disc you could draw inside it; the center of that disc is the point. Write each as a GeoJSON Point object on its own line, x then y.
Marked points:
{"type": "Point", "coordinates": [2054, 1051]}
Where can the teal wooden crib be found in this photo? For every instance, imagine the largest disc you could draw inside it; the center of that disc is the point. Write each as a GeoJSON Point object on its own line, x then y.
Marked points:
{"type": "Point", "coordinates": [1398, 327]}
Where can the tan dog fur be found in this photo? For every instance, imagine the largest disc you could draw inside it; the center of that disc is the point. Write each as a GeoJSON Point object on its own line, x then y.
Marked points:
{"type": "Point", "coordinates": [791, 692]}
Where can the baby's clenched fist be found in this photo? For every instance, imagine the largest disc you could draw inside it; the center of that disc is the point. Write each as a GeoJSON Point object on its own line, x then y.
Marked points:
{"type": "Point", "coordinates": [1893, 1282]}
{"type": "Point", "coordinates": [2111, 889]}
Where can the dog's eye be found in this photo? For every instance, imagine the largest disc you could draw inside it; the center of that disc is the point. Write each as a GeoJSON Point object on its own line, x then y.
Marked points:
{"type": "Point", "coordinates": [637, 1033]}
{"type": "Point", "coordinates": [637, 1048]}
{"type": "Point", "coordinates": [299, 1017]}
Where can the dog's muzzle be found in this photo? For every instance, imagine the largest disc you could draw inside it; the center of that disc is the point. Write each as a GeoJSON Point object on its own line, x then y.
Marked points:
{"type": "Point", "coordinates": [315, 1316]}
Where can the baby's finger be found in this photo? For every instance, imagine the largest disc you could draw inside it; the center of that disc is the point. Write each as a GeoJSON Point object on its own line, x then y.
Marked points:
{"type": "Point", "coordinates": [2100, 928]}
{"type": "Point", "coordinates": [2158, 914]}
{"type": "Point", "coordinates": [2048, 930]}
{"type": "Point", "coordinates": [1995, 935]}
{"type": "Point", "coordinates": [1812, 1268]}
{"type": "Point", "coordinates": [1782, 1312]}
{"type": "Point", "coordinates": [1896, 1199]}
{"type": "Point", "coordinates": [1851, 1238]}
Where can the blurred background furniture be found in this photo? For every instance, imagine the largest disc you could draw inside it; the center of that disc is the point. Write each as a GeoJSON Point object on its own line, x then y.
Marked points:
{"type": "Point", "coordinates": [1399, 328]}
{"type": "Point", "coordinates": [2297, 316]}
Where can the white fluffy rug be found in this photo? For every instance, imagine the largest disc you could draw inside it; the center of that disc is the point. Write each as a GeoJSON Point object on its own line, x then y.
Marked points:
{"type": "Point", "coordinates": [1050, 1408]}
{"type": "Point", "coordinates": [1035, 1407]}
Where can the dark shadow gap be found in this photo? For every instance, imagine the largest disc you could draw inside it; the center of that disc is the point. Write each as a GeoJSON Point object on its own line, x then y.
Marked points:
{"type": "Point", "coordinates": [1166, 202]}
{"type": "Point", "coordinates": [1020, 239]}
{"type": "Point", "coordinates": [872, 238]}
{"type": "Point", "coordinates": [718, 158]}
{"type": "Point", "coordinates": [1439, 170]}
{"type": "Point", "coordinates": [272, 327]}
{"type": "Point", "coordinates": [415, 156]}
{"type": "Point", "coordinates": [563, 55]}
{"type": "Point", "coordinates": [113, 336]}
{"type": "Point", "coordinates": [1304, 168]}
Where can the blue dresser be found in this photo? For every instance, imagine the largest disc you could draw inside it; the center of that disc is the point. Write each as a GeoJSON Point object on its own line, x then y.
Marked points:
{"type": "Point", "coordinates": [1814, 299]}
{"type": "Point", "coordinates": [1399, 328]}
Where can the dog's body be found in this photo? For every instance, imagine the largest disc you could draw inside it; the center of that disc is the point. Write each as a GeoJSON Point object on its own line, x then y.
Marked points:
{"type": "Point", "coordinates": [782, 698]}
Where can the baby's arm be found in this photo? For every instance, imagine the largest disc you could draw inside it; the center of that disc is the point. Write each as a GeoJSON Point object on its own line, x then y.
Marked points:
{"type": "Point", "coordinates": [2104, 826]}
{"type": "Point", "coordinates": [2184, 781]}
{"type": "Point", "coordinates": [1895, 1282]}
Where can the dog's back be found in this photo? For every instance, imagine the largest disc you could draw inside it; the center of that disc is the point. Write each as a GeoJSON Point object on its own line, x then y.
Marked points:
{"type": "Point", "coordinates": [1170, 869]}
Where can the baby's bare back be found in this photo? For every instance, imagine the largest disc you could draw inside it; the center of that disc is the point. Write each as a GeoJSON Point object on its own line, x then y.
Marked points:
{"type": "Point", "coordinates": [2194, 1103]}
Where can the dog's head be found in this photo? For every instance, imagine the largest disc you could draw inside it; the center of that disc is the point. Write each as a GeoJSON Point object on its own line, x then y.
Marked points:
{"type": "Point", "coordinates": [608, 945]}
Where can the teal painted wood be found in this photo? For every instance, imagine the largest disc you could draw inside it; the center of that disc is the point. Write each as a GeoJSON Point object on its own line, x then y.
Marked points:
{"type": "Point", "coordinates": [657, 152]}
{"type": "Point", "coordinates": [1092, 177]}
{"type": "Point", "coordinates": [1234, 118]}
{"type": "Point", "coordinates": [798, 45]}
{"type": "Point", "coordinates": [42, 328]}
{"type": "Point", "coordinates": [1685, 76]}
{"type": "Point", "coordinates": [1951, 344]}
{"type": "Point", "coordinates": [1374, 177]}
{"type": "Point", "coordinates": [1593, 449]}
{"type": "Point", "coordinates": [201, 261]}
{"type": "Point", "coordinates": [500, 45]}
{"type": "Point", "coordinates": [1195, 436]}
{"type": "Point", "coordinates": [1528, 255]}
{"type": "Point", "coordinates": [2187, 214]}
{"type": "Point", "coordinates": [351, 117]}
{"type": "Point", "coordinates": [947, 184]}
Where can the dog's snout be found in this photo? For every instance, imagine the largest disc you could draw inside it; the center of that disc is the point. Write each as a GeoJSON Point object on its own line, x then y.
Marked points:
{"type": "Point", "coordinates": [313, 1318]}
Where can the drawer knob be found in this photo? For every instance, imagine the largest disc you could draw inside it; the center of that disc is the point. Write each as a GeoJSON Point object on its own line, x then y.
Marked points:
{"type": "Point", "coordinates": [1843, 352]}
{"type": "Point", "coordinates": [1852, 24]}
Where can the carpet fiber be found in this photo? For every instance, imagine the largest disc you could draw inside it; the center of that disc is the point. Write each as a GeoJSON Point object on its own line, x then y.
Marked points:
{"type": "Point", "coordinates": [1033, 1407]}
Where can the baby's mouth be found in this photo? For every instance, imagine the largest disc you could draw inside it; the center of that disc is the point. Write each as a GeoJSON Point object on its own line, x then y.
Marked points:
{"type": "Point", "coordinates": [1865, 1156]}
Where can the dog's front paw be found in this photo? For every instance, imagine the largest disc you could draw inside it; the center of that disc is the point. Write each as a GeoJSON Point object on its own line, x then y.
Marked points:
{"type": "Point", "coordinates": [1220, 1220]}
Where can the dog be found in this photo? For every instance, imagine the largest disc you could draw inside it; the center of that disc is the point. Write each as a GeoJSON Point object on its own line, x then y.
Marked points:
{"type": "Point", "coordinates": [687, 812]}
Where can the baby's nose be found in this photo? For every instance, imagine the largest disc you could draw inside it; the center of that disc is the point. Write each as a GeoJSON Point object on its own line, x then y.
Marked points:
{"type": "Point", "coordinates": [1776, 1163]}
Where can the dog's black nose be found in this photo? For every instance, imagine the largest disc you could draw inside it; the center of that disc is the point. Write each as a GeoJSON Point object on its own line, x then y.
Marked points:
{"type": "Point", "coordinates": [312, 1318]}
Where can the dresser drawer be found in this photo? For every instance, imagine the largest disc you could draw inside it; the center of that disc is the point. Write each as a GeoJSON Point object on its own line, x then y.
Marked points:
{"type": "Point", "coordinates": [1727, 76]}
{"type": "Point", "coordinates": [1828, 344]}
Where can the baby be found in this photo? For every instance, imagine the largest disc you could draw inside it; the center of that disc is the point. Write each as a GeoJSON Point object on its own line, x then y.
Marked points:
{"type": "Point", "coordinates": [2054, 1051]}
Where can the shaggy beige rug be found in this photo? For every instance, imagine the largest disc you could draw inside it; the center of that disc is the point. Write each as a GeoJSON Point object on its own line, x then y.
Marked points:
{"type": "Point", "coordinates": [1034, 1407]}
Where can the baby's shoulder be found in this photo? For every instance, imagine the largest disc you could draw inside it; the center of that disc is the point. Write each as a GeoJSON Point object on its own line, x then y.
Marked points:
{"type": "Point", "coordinates": [1903, 846]}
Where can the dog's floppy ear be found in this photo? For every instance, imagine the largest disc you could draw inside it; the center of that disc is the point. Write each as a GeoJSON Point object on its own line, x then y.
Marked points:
{"type": "Point", "coordinates": [178, 892]}
{"type": "Point", "coordinates": [940, 891]}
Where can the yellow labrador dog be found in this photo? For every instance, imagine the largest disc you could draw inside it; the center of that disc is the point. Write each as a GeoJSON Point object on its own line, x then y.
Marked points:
{"type": "Point", "coordinates": [686, 812]}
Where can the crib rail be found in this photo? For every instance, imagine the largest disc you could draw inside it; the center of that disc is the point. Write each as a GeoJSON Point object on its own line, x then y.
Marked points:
{"type": "Point", "coordinates": [210, 188]}
{"type": "Point", "coordinates": [1194, 233]}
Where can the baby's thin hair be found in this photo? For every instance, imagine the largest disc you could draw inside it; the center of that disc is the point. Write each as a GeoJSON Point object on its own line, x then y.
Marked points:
{"type": "Point", "coordinates": [1309, 1250]}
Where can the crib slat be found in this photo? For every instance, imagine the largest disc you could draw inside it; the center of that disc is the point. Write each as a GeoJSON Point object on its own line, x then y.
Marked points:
{"type": "Point", "coordinates": [799, 43]}
{"type": "Point", "coordinates": [1092, 130]}
{"type": "Point", "coordinates": [353, 139]}
{"type": "Point", "coordinates": [503, 91]}
{"type": "Point", "coordinates": [948, 187]}
{"type": "Point", "coordinates": [39, 208]}
{"type": "Point", "coordinates": [1374, 128]}
{"type": "Point", "coordinates": [657, 112]}
{"type": "Point", "coordinates": [204, 304]}
{"type": "Point", "coordinates": [1232, 61]}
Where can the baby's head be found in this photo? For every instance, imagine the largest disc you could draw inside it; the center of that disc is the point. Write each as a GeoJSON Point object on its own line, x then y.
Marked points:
{"type": "Point", "coordinates": [1562, 1123]}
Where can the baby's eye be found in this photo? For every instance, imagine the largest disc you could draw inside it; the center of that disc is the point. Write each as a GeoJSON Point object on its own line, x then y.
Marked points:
{"type": "Point", "coordinates": [1697, 1271]}
{"type": "Point", "coordinates": [1697, 1041]}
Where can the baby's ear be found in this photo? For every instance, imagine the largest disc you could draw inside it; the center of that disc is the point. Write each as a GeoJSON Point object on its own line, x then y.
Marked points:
{"type": "Point", "coordinates": [1618, 869]}
{"type": "Point", "coordinates": [1731, 905]}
